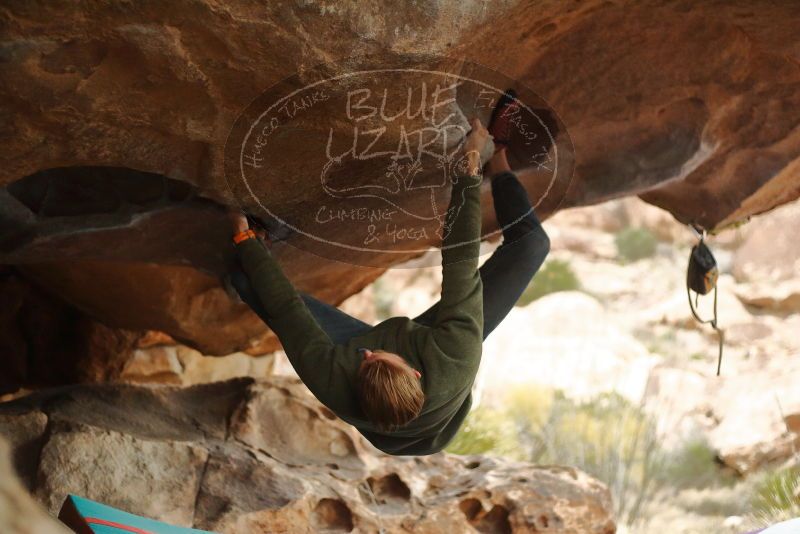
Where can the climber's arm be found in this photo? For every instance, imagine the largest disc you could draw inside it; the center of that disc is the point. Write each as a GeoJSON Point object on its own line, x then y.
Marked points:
{"type": "Point", "coordinates": [460, 310]}
{"type": "Point", "coordinates": [307, 346]}
{"type": "Point", "coordinates": [461, 306]}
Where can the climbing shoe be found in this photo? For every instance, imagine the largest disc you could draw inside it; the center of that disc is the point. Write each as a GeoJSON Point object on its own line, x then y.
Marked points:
{"type": "Point", "coordinates": [500, 125]}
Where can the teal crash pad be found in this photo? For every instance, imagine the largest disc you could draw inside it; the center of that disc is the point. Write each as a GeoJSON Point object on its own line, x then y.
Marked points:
{"type": "Point", "coordinates": [89, 517]}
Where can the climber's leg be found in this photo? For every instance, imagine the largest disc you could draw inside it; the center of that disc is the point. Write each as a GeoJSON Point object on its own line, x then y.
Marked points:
{"type": "Point", "coordinates": [509, 270]}
{"type": "Point", "coordinates": [339, 326]}
{"type": "Point", "coordinates": [513, 264]}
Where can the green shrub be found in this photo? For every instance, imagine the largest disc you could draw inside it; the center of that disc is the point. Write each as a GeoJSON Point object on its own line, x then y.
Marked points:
{"type": "Point", "coordinates": [612, 440]}
{"type": "Point", "coordinates": [634, 244]}
{"type": "Point", "coordinates": [487, 431]}
{"type": "Point", "coordinates": [608, 437]}
{"type": "Point", "coordinates": [530, 405]}
{"type": "Point", "coordinates": [713, 502]}
{"type": "Point", "coordinates": [777, 496]}
{"type": "Point", "coordinates": [694, 465]}
{"type": "Point", "coordinates": [556, 275]}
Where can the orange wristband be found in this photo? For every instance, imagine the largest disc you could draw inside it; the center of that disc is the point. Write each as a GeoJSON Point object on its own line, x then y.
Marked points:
{"type": "Point", "coordinates": [243, 235]}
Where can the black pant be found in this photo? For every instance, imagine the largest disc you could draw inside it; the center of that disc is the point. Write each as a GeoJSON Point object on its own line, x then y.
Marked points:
{"type": "Point", "coordinates": [505, 275]}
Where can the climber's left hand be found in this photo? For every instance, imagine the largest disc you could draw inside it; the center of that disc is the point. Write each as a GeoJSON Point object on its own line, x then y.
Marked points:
{"type": "Point", "coordinates": [238, 221]}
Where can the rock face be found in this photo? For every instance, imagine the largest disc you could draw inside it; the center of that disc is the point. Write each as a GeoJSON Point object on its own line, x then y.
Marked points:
{"type": "Point", "coordinates": [699, 99]}
{"type": "Point", "coordinates": [769, 262]}
{"type": "Point", "coordinates": [115, 121]}
{"type": "Point", "coordinates": [571, 344]}
{"type": "Point", "coordinates": [242, 456]}
{"type": "Point", "coordinates": [45, 341]}
{"type": "Point", "coordinates": [180, 365]}
{"type": "Point", "coordinates": [19, 514]}
{"type": "Point", "coordinates": [768, 406]}
{"type": "Point", "coordinates": [669, 100]}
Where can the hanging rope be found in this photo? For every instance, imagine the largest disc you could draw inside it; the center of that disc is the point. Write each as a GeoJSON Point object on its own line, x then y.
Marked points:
{"type": "Point", "coordinates": [701, 277]}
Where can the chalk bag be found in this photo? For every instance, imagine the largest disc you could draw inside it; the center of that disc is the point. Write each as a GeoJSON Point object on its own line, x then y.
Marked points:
{"type": "Point", "coordinates": [701, 278]}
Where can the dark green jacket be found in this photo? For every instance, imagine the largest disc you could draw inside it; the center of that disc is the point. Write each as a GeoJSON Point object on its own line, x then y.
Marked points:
{"type": "Point", "coordinates": [447, 353]}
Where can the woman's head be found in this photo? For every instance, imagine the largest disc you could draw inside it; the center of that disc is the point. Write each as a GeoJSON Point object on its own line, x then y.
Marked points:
{"type": "Point", "coordinates": [389, 389]}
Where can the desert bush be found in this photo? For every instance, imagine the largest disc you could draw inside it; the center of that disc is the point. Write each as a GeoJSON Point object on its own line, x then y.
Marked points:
{"type": "Point", "coordinates": [695, 465]}
{"type": "Point", "coordinates": [608, 437]}
{"type": "Point", "coordinates": [554, 276]}
{"type": "Point", "coordinates": [720, 501]}
{"type": "Point", "coordinates": [487, 431]}
{"type": "Point", "coordinates": [612, 440]}
{"type": "Point", "coordinates": [776, 498]}
{"type": "Point", "coordinates": [530, 405]}
{"type": "Point", "coordinates": [634, 244]}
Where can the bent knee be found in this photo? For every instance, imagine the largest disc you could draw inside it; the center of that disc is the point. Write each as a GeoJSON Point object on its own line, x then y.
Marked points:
{"type": "Point", "coordinates": [537, 244]}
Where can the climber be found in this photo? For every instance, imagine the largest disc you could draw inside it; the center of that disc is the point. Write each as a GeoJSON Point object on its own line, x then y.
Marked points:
{"type": "Point", "coordinates": [404, 383]}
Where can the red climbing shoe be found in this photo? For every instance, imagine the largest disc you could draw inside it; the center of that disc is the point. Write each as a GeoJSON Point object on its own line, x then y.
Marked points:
{"type": "Point", "coordinates": [500, 125]}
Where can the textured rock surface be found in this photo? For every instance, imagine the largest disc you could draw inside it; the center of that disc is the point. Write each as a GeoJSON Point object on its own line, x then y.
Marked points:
{"type": "Point", "coordinates": [769, 249]}
{"type": "Point", "coordinates": [572, 344]}
{"type": "Point", "coordinates": [758, 416]}
{"type": "Point", "coordinates": [24, 434]}
{"type": "Point", "coordinates": [190, 305]}
{"type": "Point", "coordinates": [769, 262]}
{"type": "Point", "coordinates": [181, 365]}
{"type": "Point", "coordinates": [46, 342]}
{"type": "Point", "coordinates": [241, 456]}
{"type": "Point", "coordinates": [168, 473]}
{"type": "Point", "coordinates": [700, 94]}
{"type": "Point", "coordinates": [693, 106]}
{"type": "Point", "coordinates": [19, 514]}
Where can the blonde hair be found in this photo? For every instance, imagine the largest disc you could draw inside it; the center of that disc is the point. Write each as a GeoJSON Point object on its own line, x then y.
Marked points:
{"type": "Point", "coordinates": [389, 397]}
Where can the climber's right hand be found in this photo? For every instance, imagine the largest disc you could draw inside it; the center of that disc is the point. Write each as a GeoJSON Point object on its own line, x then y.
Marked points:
{"type": "Point", "coordinates": [474, 146]}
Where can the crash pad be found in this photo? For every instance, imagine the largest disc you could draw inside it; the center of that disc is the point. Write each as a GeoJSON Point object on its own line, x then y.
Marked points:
{"type": "Point", "coordinates": [89, 517]}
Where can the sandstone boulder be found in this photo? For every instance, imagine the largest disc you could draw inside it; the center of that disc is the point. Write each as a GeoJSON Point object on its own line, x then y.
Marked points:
{"type": "Point", "coordinates": [770, 251]}
{"type": "Point", "coordinates": [178, 364]}
{"type": "Point", "coordinates": [566, 341]}
{"type": "Point", "coordinates": [117, 121]}
{"type": "Point", "coordinates": [119, 469]}
{"type": "Point", "coordinates": [245, 456]}
{"type": "Point", "coordinates": [757, 415]}
{"type": "Point", "coordinates": [768, 262]}
{"type": "Point", "coordinates": [781, 297]}
{"type": "Point", "coordinates": [189, 305]}
{"type": "Point", "coordinates": [19, 514]}
{"type": "Point", "coordinates": [46, 341]}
